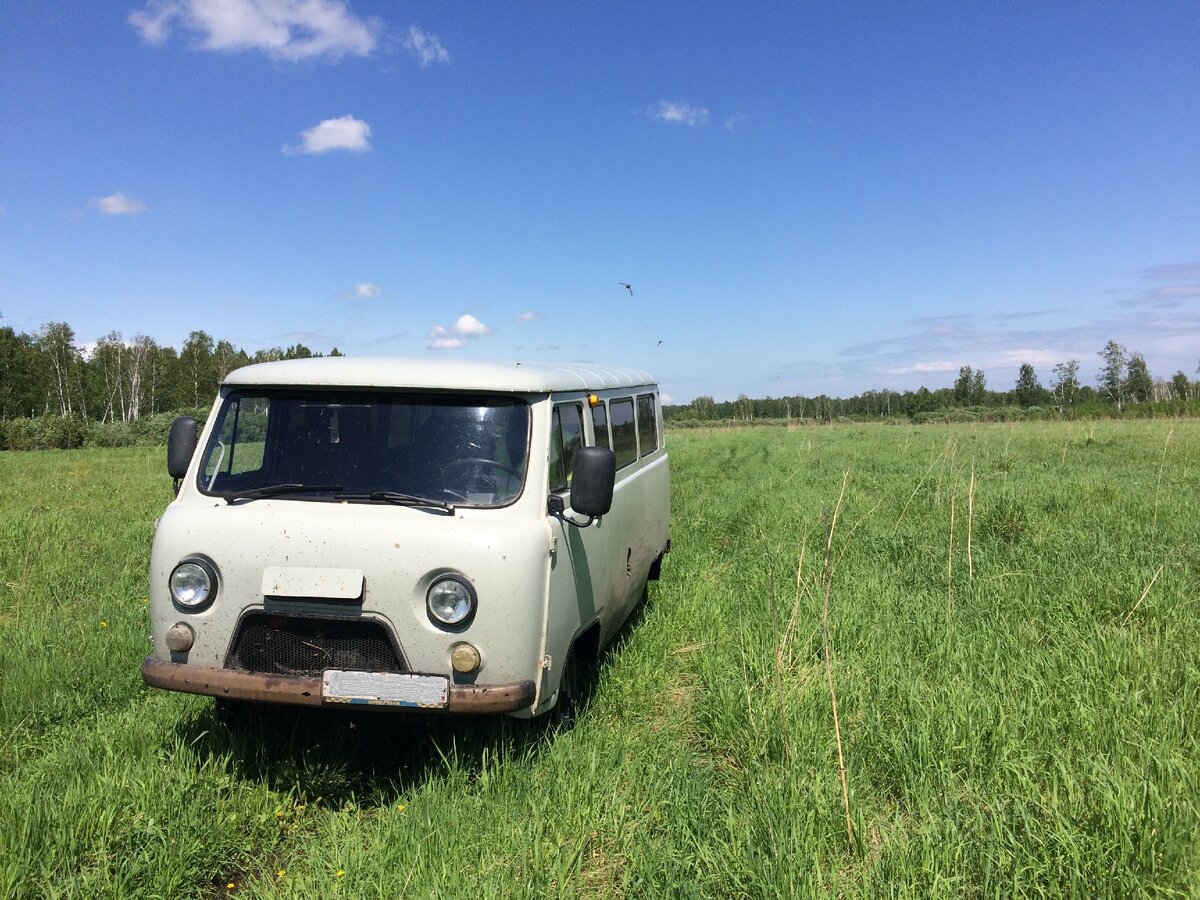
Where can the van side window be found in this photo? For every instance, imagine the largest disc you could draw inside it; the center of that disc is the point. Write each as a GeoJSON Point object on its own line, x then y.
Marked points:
{"type": "Point", "coordinates": [566, 437]}
{"type": "Point", "coordinates": [244, 428]}
{"type": "Point", "coordinates": [624, 437]}
{"type": "Point", "coordinates": [600, 425]}
{"type": "Point", "coordinates": [647, 423]}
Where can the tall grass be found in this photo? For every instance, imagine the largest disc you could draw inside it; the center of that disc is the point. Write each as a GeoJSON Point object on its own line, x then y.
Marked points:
{"type": "Point", "coordinates": [1043, 742]}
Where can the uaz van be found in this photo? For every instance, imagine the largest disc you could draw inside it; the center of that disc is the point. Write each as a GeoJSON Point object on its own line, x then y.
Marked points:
{"type": "Point", "coordinates": [411, 533]}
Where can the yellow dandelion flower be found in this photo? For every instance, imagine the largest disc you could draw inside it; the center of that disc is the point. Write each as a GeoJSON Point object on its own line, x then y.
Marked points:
{"type": "Point", "coordinates": [230, 886]}
{"type": "Point", "coordinates": [104, 623]}
{"type": "Point", "coordinates": [281, 873]}
{"type": "Point", "coordinates": [341, 873]}
{"type": "Point", "coordinates": [400, 807]}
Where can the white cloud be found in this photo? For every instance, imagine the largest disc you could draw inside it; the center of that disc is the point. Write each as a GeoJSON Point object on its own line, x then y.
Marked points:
{"type": "Point", "coordinates": [1167, 296]}
{"type": "Point", "coordinates": [529, 316]}
{"type": "Point", "coordinates": [290, 30]}
{"type": "Point", "coordinates": [732, 122]}
{"type": "Point", "coordinates": [153, 22]}
{"type": "Point", "coordinates": [364, 290]}
{"type": "Point", "coordinates": [462, 332]}
{"type": "Point", "coordinates": [916, 368]}
{"type": "Point", "coordinates": [678, 113]}
{"type": "Point", "coordinates": [342, 133]}
{"type": "Point", "coordinates": [1035, 357]}
{"type": "Point", "coordinates": [119, 204]}
{"type": "Point", "coordinates": [425, 47]}
{"type": "Point", "coordinates": [1173, 272]}
{"type": "Point", "coordinates": [469, 326]}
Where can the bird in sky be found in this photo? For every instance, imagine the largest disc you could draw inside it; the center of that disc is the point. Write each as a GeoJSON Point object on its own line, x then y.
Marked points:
{"type": "Point", "coordinates": [628, 287]}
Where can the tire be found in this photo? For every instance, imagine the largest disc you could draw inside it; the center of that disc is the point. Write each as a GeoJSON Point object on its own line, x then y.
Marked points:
{"type": "Point", "coordinates": [563, 715]}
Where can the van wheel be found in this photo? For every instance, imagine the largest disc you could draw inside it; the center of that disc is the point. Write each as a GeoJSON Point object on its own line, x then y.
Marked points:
{"type": "Point", "coordinates": [566, 708]}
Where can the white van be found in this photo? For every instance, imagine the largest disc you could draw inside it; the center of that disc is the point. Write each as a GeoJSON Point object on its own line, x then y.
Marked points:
{"type": "Point", "coordinates": [432, 534]}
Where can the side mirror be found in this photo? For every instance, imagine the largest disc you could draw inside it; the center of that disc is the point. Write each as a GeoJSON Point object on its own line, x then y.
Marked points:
{"type": "Point", "coordinates": [181, 444]}
{"type": "Point", "coordinates": [595, 472]}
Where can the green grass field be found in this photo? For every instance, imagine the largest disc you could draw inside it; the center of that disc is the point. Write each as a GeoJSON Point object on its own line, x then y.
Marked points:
{"type": "Point", "coordinates": [1014, 722]}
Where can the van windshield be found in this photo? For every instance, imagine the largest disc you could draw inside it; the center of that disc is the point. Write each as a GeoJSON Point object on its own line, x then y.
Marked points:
{"type": "Point", "coordinates": [449, 449]}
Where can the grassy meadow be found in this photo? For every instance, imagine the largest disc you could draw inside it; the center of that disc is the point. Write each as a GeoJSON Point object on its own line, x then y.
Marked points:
{"type": "Point", "coordinates": [1014, 632]}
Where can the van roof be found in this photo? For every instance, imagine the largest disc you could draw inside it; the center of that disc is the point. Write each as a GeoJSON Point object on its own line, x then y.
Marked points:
{"type": "Point", "coordinates": [450, 374]}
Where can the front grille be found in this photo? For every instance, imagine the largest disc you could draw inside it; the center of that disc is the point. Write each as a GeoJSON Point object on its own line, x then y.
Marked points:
{"type": "Point", "coordinates": [290, 645]}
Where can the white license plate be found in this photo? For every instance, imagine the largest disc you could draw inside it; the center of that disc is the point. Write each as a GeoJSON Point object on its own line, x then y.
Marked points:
{"type": "Point", "coordinates": [386, 689]}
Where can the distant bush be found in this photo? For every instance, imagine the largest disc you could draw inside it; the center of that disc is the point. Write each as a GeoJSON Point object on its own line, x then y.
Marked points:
{"type": "Point", "coordinates": [109, 434]}
{"type": "Point", "coordinates": [793, 422]}
{"type": "Point", "coordinates": [1085, 411]}
{"type": "Point", "coordinates": [967, 414]}
{"type": "Point", "coordinates": [944, 416]}
{"type": "Point", "coordinates": [152, 431]}
{"type": "Point", "coordinates": [687, 423]}
{"type": "Point", "coordinates": [43, 433]}
{"type": "Point", "coordinates": [1092, 411]}
{"type": "Point", "coordinates": [69, 432]}
{"type": "Point", "coordinates": [1162, 409]}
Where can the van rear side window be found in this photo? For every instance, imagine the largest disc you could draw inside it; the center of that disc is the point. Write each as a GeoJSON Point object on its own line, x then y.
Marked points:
{"type": "Point", "coordinates": [624, 435]}
{"type": "Point", "coordinates": [647, 423]}
{"type": "Point", "coordinates": [566, 437]}
{"type": "Point", "coordinates": [600, 425]}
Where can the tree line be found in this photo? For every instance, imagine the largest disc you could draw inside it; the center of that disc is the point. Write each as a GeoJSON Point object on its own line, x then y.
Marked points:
{"type": "Point", "coordinates": [117, 380]}
{"type": "Point", "coordinates": [1123, 380]}
{"type": "Point", "coordinates": [48, 373]}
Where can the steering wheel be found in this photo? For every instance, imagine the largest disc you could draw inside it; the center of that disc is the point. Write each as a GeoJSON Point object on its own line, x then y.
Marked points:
{"type": "Point", "coordinates": [482, 469]}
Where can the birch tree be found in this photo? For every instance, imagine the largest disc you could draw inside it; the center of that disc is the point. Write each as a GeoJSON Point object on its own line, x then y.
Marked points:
{"type": "Point", "coordinates": [63, 363]}
{"type": "Point", "coordinates": [22, 381]}
{"type": "Point", "coordinates": [1139, 387]}
{"type": "Point", "coordinates": [227, 358]}
{"type": "Point", "coordinates": [1066, 384]}
{"type": "Point", "coordinates": [140, 356]}
{"type": "Point", "coordinates": [107, 368]}
{"type": "Point", "coordinates": [1111, 376]}
{"type": "Point", "coordinates": [196, 360]}
{"type": "Point", "coordinates": [964, 386]}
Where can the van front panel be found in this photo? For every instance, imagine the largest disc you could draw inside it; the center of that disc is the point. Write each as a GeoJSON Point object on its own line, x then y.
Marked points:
{"type": "Point", "coordinates": [318, 548]}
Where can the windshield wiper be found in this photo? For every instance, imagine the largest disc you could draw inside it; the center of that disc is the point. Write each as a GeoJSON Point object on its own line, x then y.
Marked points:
{"type": "Point", "coordinates": [395, 497]}
{"type": "Point", "coordinates": [278, 490]}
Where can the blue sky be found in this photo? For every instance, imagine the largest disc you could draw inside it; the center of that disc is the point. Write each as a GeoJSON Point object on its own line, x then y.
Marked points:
{"type": "Point", "coordinates": [806, 198]}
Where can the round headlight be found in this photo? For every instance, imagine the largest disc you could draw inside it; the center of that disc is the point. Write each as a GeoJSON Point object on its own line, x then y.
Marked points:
{"type": "Point", "coordinates": [193, 583]}
{"type": "Point", "coordinates": [451, 601]}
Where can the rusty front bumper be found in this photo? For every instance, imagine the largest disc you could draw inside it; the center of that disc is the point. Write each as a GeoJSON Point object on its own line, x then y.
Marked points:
{"type": "Point", "coordinates": [299, 691]}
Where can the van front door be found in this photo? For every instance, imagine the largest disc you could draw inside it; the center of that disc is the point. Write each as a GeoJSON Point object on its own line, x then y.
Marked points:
{"type": "Point", "coordinates": [582, 565]}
